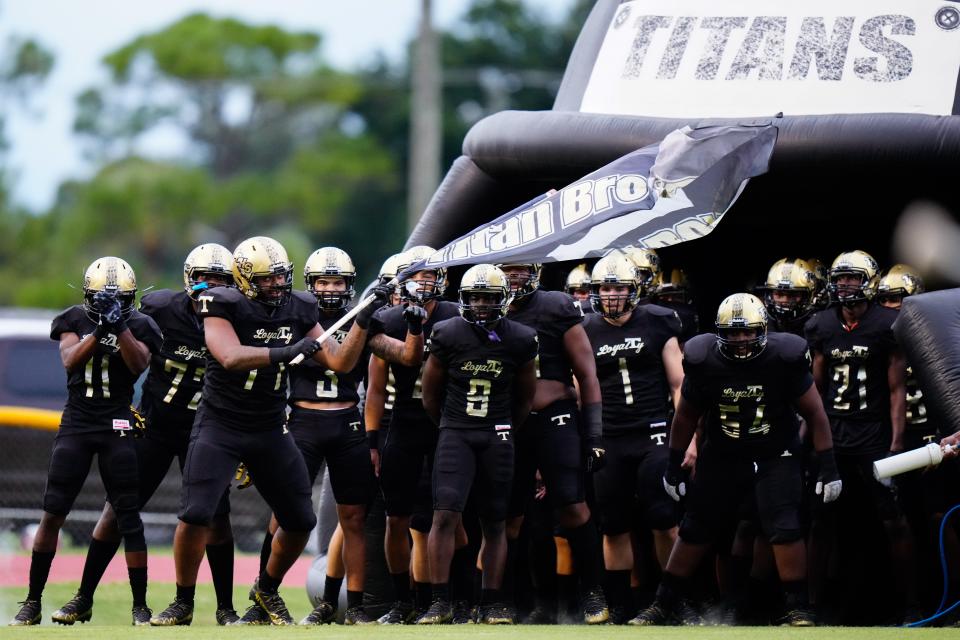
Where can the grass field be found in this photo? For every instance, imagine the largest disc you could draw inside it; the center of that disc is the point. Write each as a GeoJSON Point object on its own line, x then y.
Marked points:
{"type": "Point", "coordinates": [111, 621]}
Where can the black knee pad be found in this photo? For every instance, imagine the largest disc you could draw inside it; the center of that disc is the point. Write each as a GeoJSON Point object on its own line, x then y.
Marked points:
{"type": "Point", "coordinates": [133, 542]}
{"type": "Point", "coordinates": [128, 522]}
{"type": "Point", "coordinates": [196, 514]}
{"type": "Point", "coordinates": [421, 521]}
{"type": "Point", "coordinates": [298, 521]}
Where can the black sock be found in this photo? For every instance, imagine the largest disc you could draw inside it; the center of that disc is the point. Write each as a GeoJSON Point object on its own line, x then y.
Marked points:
{"type": "Point", "coordinates": [618, 588]}
{"type": "Point", "coordinates": [441, 591]}
{"type": "Point", "coordinates": [354, 599]}
{"type": "Point", "coordinates": [40, 563]}
{"type": "Point", "coordinates": [461, 577]}
{"type": "Point", "coordinates": [585, 548]}
{"type": "Point", "coordinates": [331, 590]}
{"type": "Point", "coordinates": [424, 593]}
{"type": "Point", "coordinates": [186, 593]}
{"type": "Point", "coordinates": [265, 551]}
{"type": "Point", "coordinates": [401, 586]}
{"type": "Point", "coordinates": [268, 583]}
{"type": "Point", "coordinates": [672, 589]}
{"type": "Point", "coordinates": [220, 559]}
{"type": "Point", "coordinates": [138, 585]}
{"type": "Point", "coordinates": [567, 593]}
{"type": "Point", "coordinates": [507, 587]}
{"type": "Point", "coordinates": [99, 556]}
{"type": "Point", "coordinates": [477, 583]}
{"type": "Point", "coordinates": [795, 594]}
{"type": "Point", "coordinates": [490, 596]}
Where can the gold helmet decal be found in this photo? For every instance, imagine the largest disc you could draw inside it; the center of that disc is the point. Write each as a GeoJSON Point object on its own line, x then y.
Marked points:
{"type": "Point", "coordinates": [330, 262]}
{"type": "Point", "coordinates": [253, 261]}
{"type": "Point", "coordinates": [858, 264]}
{"type": "Point", "coordinates": [209, 259]}
{"type": "Point", "coordinates": [484, 295]}
{"type": "Point", "coordinates": [110, 275]}
{"type": "Point", "coordinates": [738, 315]}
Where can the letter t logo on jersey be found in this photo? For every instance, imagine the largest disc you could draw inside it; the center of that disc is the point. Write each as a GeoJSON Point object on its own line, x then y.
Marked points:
{"type": "Point", "coordinates": [502, 430]}
{"type": "Point", "coordinates": [561, 419]}
{"type": "Point", "coordinates": [203, 300]}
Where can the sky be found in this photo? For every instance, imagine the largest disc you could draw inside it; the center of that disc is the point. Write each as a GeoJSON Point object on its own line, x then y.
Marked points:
{"type": "Point", "coordinates": [44, 152]}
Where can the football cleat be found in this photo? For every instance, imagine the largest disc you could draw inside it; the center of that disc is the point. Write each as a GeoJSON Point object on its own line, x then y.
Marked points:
{"type": "Point", "coordinates": [226, 616]}
{"type": "Point", "coordinates": [254, 615]}
{"type": "Point", "coordinates": [78, 609]}
{"type": "Point", "coordinates": [463, 613]}
{"type": "Point", "coordinates": [799, 617]}
{"type": "Point", "coordinates": [654, 615]}
{"type": "Point", "coordinates": [496, 613]}
{"type": "Point", "coordinates": [140, 615]}
{"type": "Point", "coordinates": [28, 615]}
{"type": "Point", "coordinates": [323, 613]}
{"type": "Point", "coordinates": [440, 612]}
{"type": "Point", "coordinates": [179, 612]}
{"type": "Point", "coordinates": [595, 609]}
{"type": "Point", "coordinates": [400, 613]}
{"type": "Point", "coordinates": [357, 616]}
{"type": "Point", "coordinates": [541, 615]}
{"type": "Point", "coordinates": [273, 605]}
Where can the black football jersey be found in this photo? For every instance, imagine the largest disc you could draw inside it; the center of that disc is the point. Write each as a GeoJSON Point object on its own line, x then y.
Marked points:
{"type": "Point", "coordinates": [407, 393]}
{"type": "Point", "coordinates": [480, 371]}
{"type": "Point", "coordinates": [313, 382]}
{"type": "Point", "coordinates": [689, 319]}
{"type": "Point", "coordinates": [102, 390]}
{"type": "Point", "coordinates": [254, 400]}
{"type": "Point", "coordinates": [585, 306]}
{"type": "Point", "coordinates": [857, 362]}
{"type": "Point", "coordinates": [796, 327]}
{"type": "Point", "coordinates": [174, 382]}
{"type": "Point", "coordinates": [551, 314]}
{"type": "Point", "coordinates": [748, 405]}
{"type": "Point", "coordinates": [630, 367]}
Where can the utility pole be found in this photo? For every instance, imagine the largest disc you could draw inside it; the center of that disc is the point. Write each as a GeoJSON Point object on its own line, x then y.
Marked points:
{"type": "Point", "coordinates": [425, 118]}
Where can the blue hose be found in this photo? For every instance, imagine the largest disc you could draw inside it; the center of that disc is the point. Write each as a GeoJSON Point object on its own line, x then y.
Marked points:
{"type": "Point", "coordinates": [943, 567]}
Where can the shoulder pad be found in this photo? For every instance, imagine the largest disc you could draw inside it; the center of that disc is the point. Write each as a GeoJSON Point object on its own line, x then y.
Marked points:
{"type": "Point", "coordinates": [696, 349]}
{"type": "Point", "coordinates": [789, 347]}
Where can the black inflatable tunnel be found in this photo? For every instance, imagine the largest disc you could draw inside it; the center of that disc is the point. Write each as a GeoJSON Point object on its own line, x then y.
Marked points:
{"type": "Point", "coordinates": [838, 180]}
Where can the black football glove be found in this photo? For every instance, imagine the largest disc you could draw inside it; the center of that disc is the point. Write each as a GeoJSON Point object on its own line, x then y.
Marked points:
{"type": "Point", "coordinates": [102, 300]}
{"type": "Point", "coordinates": [675, 478]}
{"type": "Point", "coordinates": [305, 347]}
{"type": "Point", "coordinates": [112, 316]}
{"type": "Point", "coordinates": [381, 296]}
{"type": "Point", "coordinates": [828, 479]}
{"type": "Point", "coordinates": [415, 316]}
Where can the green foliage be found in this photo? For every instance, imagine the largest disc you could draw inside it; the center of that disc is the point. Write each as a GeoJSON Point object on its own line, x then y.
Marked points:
{"type": "Point", "coordinates": [275, 142]}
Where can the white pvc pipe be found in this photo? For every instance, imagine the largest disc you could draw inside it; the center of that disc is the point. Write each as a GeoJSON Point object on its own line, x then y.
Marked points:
{"type": "Point", "coordinates": [927, 456]}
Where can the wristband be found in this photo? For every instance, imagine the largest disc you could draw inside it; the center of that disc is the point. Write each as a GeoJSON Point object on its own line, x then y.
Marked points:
{"type": "Point", "coordinates": [593, 420]}
{"type": "Point", "coordinates": [373, 439]}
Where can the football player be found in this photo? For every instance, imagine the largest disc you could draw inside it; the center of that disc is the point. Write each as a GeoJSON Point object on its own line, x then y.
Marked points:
{"type": "Point", "coordinates": [646, 262]}
{"type": "Point", "coordinates": [861, 375]}
{"type": "Point", "coordinates": [746, 386]}
{"type": "Point", "coordinates": [578, 286]}
{"type": "Point", "coordinates": [789, 293]}
{"type": "Point", "coordinates": [639, 366]}
{"type": "Point", "coordinates": [412, 437]}
{"type": "Point", "coordinates": [388, 271]}
{"type": "Point", "coordinates": [671, 289]}
{"type": "Point", "coordinates": [171, 394]}
{"type": "Point", "coordinates": [252, 333]}
{"type": "Point", "coordinates": [821, 299]}
{"type": "Point", "coordinates": [551, 440]}
{"type": "Point", "coordinates": [105, 344]}
{"type": "Point", "coordinates": [325, 424]}
{"type": "Point", "coordinates": [478, 382]}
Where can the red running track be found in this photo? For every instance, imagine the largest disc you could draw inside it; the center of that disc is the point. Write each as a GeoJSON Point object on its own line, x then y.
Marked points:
{"type": "Point", "coordinates": [67, 567]}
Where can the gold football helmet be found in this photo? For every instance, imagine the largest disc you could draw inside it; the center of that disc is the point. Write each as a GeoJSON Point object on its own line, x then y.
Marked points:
{"type": "Point", "coordinates": [525, 280]}
{"type": "Point", "coordinates": [208, 265]}
{"type": "Point", "coordinates": [335, 263]}
{"type": "Point", "coordinates": [671, 286]}
{"type": "Point", "coordinates": [389, 269]}
{"type": "Point", "coordinates": [739, 313]}
{"type": "Point", "coordinates": [897, 283]}
{"type": "Point", "coordinates": [426, 288]}
{"type": "Point", "coordinates": [647, 263]}
{"type": "Point", "coordinates": [484, 295]}
{"type": "Point", "coordinates": [821, 299]}
{"type": "Point", "coordinates": [262, 271]}
{"type": "Point", "coordinates": [853, 263]}
{"type": "Point", "coordinates": [614, 272]}
{"type": "Point", "coordinates": [790, 289]}
{"type": "Point", "coordinates": [111, 275]}
{"type": "Point", "coordinates": [578, 282]}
